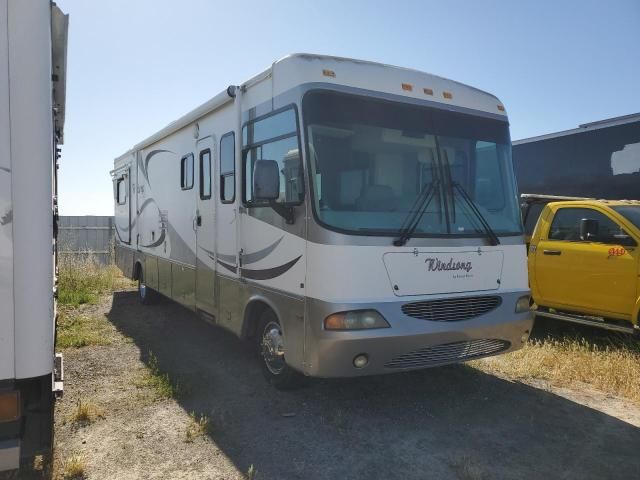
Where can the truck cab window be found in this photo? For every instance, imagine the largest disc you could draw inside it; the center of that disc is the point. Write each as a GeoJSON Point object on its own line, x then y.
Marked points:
{"type": "Point", "coordinates": [274, 138]}
{"type": "Point", "coordinates": [227, 168]}
{"type": "Point", "coordinates": [186, 172]}
{"type": "Point", "coordinates": [566, 225]}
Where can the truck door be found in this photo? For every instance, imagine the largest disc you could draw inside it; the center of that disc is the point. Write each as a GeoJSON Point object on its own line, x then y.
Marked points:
{"type": "Point", "coordinates": [596, 276]}
{"type": "Point", "coordinates": [205, 226]}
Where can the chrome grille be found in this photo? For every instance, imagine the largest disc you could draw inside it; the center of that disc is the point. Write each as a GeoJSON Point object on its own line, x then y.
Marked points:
{"type": "Point", "coordinates": [451, 309]}
{"type": "Point", "coordinates": [448, 353]}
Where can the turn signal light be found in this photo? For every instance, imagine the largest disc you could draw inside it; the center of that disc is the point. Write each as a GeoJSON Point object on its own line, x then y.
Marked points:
{"type": "Point", "coordinates": [9, 406]}
{"type": "Point", "coordinates": [355, 320]}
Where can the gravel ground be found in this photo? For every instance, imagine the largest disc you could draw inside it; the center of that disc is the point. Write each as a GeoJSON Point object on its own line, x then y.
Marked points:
{"type": "Point", "coordinates": [446, 423]}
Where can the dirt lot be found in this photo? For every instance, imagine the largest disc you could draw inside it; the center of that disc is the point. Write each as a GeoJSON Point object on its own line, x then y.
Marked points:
{"type": "Point", "coordinates": [453, 422]}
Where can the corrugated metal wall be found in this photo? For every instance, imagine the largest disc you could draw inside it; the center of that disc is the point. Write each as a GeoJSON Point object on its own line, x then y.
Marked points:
{"type": "Point", "coordinates": [85, 236]}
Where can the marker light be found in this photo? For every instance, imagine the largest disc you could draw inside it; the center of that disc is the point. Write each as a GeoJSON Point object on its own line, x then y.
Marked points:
{"type": "Point", "coordinates": [9, 406]}
{"type": "Point", "coordinates": [523, 304]}
{"type": "Point", "coordinates": [501, 108]}
{"type": "Point", "coordinates": [428, 91]}
{"type": "Point", "coordinates": [329, 73]}
{"type": "Point", "coordinates": [407, 87]}
{"type": "Point", "coordinates": [448, 95]}
{"type": "Point", "coordinates": [355, 320]}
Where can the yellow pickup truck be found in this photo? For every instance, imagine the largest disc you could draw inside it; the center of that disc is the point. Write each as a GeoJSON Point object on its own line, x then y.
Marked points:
{"type": "Point", "coordinates": [584, 261]}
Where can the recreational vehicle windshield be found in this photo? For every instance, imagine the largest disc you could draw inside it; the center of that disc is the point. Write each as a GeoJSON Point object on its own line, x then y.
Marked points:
{"type": "Point", "coordinates": [351, 217]}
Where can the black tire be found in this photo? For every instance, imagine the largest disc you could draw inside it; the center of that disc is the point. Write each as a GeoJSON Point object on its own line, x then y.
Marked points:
{"type": "Point", "coordinates": [146, 295]}
{"type": "Point", "coordinates": [275, 370]}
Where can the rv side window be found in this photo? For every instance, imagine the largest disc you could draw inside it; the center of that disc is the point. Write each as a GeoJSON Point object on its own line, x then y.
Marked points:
{"type": "Point", "coordinates": [227, 168]}
{"type": "Point", "coordinates": [121, 191]}
{"type": "Point", "coordinates": [274, 137]}
{"type": "Point", "coordinates": [186, 172]}
{"type": "Point", "coordinates": [205, 174]}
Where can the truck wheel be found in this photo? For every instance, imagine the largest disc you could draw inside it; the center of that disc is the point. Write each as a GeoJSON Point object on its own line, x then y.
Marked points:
{"type": "Point", "coordinates": [271, 348]}
{"type": "Point", "coordinates": [146, 295]}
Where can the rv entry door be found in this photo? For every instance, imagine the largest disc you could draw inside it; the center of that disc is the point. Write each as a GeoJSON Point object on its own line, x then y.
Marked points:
{"type": "Point", "coordinates": [205, 225]}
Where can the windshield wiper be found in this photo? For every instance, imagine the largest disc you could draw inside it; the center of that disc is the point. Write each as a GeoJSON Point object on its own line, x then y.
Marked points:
{"type": "Point", "coordinates": [415, 215]}
{"type": "Point", "coordinates": [491, 235]}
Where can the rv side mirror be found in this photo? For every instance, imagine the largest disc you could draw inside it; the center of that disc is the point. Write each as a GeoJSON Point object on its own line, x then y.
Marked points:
{"type": "Point", "coordinates": [266, 180]}
{"type": "Point", "coordinates": [588, 229]}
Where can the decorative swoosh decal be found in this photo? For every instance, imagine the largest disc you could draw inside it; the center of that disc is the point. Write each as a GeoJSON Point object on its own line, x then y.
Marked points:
{"type": "Point", "coordinates": [145, 166]}
{"type": "Point", "coordinates": [158, 241]}
{"type": "Point", "coordinates": [6, 218]}
{"type": "Point", "coordinates": [248, 258]}
{"type": "Point", "coordinates": [231, 268]}
{"type": "Point", "coordinates": [269, 273]}
{"type": "Point", "coordinates": [225, 258]}
{"type": "Point", "coordinates": [260, 254]}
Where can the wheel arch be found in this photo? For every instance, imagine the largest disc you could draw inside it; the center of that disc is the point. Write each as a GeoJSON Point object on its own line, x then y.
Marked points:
{"type": "Point", "coordinates": [252, 311]}
{"type": "Point", "coordinates": [137, 269]}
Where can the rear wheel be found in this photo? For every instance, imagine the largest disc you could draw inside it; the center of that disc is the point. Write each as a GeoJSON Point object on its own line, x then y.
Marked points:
{"type": "Point", "coordinates": [146, 295]}
{"type": "Point", "coordinates": [271, 347]}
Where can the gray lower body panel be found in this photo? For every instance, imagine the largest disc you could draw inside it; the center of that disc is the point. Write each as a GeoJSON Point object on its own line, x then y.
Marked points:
{"type": "Point", "coordinates": [410, 343]}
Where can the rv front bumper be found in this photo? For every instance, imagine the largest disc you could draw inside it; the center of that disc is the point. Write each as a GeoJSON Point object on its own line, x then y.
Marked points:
{"type": "Point", "coordinates": [410, 343]}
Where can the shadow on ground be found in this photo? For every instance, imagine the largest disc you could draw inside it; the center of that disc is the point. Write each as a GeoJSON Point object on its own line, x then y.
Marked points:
{"type": "Point", "coordinates": [450, 422]}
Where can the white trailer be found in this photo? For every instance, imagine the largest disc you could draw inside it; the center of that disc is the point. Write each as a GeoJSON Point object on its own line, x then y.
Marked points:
{"type": "Point", "coordinates": [32, 98]}
{"type": "Point", "coordinates": [353, 218]}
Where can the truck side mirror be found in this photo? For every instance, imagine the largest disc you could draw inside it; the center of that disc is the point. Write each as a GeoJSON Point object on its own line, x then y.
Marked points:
{"type": "Point", "coordinates": [588, 229]}
{"type": "Point", "coordinates": [266, 180]}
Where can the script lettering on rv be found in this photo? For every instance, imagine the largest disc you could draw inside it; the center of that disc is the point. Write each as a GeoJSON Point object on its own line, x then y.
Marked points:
{"type": "Point", "coordinates": [437, 265]}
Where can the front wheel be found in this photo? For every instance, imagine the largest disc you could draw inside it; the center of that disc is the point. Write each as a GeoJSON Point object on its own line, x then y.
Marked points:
{"type": "Point", "coordinates": [271, 347]}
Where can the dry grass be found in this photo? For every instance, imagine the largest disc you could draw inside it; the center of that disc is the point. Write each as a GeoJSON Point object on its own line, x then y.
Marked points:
{"type": "Point", "coordinates": [198, 427]}
{"type": "Point", "coordinates": [77, 330]}
{"type": "Point", "coordinates": [82, 280]}
{"type": "Point", "coordinates": [85, 412]}
{"type": "Point", "coordinates": [160, 382]}
{"type": "Point", "coordinates": [73, 468]}
{"type": "Point", "coordinates": [605, 361]}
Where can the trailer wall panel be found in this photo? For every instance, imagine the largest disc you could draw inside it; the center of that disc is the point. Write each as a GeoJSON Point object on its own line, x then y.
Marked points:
{"type": "Point", "coordinates": [32, 160]}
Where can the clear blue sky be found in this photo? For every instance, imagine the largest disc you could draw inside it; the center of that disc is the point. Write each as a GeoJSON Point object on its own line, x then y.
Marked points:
{"type": "Point", "coordinates": [136, 65]}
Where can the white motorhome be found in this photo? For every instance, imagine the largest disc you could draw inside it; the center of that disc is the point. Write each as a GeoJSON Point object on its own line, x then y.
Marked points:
{"type": "Point", "coordinates": [33, 41]}
{"type": "Point", "coordinates": [354, 218]}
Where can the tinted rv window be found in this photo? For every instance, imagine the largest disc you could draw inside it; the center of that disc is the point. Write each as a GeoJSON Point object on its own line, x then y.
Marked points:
{"type": "Point", "coordinates": [186, 172]}
{"type": "Point", "coordinates": [205, 174]}
{"type": "Point", "coordinates": [274, 137]}
{"type": "Point", "coordinates": [121, 191]}
{"type": "Point", "coordinates": [227, 168]}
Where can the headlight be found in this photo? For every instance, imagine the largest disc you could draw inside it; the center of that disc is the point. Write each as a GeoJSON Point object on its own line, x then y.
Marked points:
{"type": "Point", "coordinates": [523, 304]}
{"type": "Point", "coordinates": [355, 320]}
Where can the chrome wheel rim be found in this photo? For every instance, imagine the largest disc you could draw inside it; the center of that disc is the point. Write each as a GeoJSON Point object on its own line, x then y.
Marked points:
{"type": "Point", "coordinates": [273, 348]}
